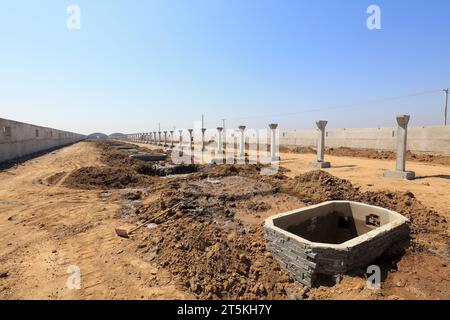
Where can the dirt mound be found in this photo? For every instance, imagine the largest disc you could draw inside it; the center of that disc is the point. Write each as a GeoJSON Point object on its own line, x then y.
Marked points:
{"type": "Point", "coordinates": [244, 170]}
{"type": "Point", "coordinates": [318, 186]}
{"type": "Point", "coordinates": [220, 260]}
{"type": "Point", "coordinates": [105, 177]}
{"type": "Point", "coordinates": [232, 169]}
{"type": "Point", "coordinates": [371, 154]}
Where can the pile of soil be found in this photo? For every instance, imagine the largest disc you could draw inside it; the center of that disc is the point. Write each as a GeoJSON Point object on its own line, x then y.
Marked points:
{"type": "Point", "coordinates": [249, 170]}
{"type": "Point", "coordinates": [122, 171]}
{"type": "Point", "coordinates": [243, 170]}
{"type": "Point", "coordinates": [372, 154]}
{"type": "Point", "coordinates": [105, 177]}
{"type": "Point", "coordinates": [221, 259]}
{"type": "Point", "coordinates": [318, 186]}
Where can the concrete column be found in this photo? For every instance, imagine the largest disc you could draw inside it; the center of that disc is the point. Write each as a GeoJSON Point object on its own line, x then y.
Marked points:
{"type": "Point", "coordinates": [190, 139]}
{"type": "Point", "coordinates": [400, 169]}
{"type": "Point", "coordinates": [171, 138]}
{"type": "Point", "coordinates": [219, 151]}
{"type": "Point", "coordinates": [273, 147]}
{"type": "Point", "coordinates": [181, 138]}
{"type": "Point", "coordinates": [242, 143]}
{"type": "Point", "coordinates": [219, 141]}
{"type": "Point", "coordinates": [159, 138]}
{"type": "Point", "coordinates": [320, 163]}
{"type": "Point", "coordinates": [155, 138]}
{"type": "Point", "coordinates": [202, 147]}
{"type": "Point", "coordinates": [165, 138]}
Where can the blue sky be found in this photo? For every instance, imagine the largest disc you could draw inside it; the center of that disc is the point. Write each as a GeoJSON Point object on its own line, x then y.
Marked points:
{"type": "Point", "coordinates": [136, 63]}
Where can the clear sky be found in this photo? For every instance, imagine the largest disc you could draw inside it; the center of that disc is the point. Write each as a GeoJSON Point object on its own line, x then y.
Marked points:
{"type": "Point", "coordinates": [136, 63]}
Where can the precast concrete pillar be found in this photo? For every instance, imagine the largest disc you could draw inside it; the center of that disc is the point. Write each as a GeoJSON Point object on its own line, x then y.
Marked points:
{"type": "Point", "coordinates": [242, 142]}
{"type": "Point", "coordinates": [402, 141]}
{"type": "Point", "coordinates": [159, 138]}
{"type": "Point", "coordinates": [219, 151]}
{"type": "Point", "coordinates": [191, 145]}
{"type": "Point", "coordinates": [202, 147]}
{"type": "Point", "coordinates": [219, 141]}
{"type": "Point", "coordinates": [171, 139]}
{"type": "Point", "coordinates": [273, 142]}
{"type": "Point", "coordinates": [165, 138]}
{"type": "Point", "coordinates": [320, 163]}
{"type": "Point", "coordinates": [181, 138]}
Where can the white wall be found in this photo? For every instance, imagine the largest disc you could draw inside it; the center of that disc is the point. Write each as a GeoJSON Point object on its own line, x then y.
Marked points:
{"type": "Point", "coordinates": [420, 139]}
{"type": "Point", "coordinates": [19, 139]}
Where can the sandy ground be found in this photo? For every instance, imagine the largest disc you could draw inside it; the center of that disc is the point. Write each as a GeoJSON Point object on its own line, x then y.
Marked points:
{"type": "Point", "coordinates": [46, 228]}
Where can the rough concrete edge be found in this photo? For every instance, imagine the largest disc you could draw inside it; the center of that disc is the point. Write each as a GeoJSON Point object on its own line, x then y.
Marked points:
{"type": "Point", "coordinates": [343, 246]}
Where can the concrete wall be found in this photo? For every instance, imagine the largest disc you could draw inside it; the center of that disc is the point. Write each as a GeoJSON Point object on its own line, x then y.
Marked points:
{"type": "Point", "coordinates": [19, 139]}
{"type": "Point", "coordinates": [420, 139]}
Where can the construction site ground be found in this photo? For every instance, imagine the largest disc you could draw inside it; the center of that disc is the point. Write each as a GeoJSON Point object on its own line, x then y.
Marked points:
{"type": "Point", "coordinates": [61, 209]}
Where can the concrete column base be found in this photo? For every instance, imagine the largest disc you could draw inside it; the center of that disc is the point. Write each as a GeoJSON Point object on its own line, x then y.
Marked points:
{"type": "Point", "coordinates": [399, 175]}
{"type": "Point", "coordinates": [319, 164]}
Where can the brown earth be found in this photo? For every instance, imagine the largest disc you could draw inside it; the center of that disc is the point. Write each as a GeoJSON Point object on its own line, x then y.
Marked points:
{"type": "Point", "coordinates": [371, 154]}
{"type": "Point", "coordinates": [211, 246]}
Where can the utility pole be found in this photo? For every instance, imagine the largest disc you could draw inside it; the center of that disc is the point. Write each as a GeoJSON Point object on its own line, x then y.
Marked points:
{"type": "Point", "coordinates": [446, 105]}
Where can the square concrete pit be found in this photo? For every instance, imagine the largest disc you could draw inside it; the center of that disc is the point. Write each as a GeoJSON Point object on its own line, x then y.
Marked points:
{"type": "Point", "coordinates": [332, 238]}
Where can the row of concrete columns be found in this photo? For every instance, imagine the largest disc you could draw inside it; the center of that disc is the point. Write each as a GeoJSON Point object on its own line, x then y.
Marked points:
{"type": "Point", "coordinates": [155, 138]}
{"type": "Point", "coordinates": [399, 172]}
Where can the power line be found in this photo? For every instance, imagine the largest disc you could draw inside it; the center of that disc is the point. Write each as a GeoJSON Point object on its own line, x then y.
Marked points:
{"type": "Point", "coordinates": [339, 107]}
